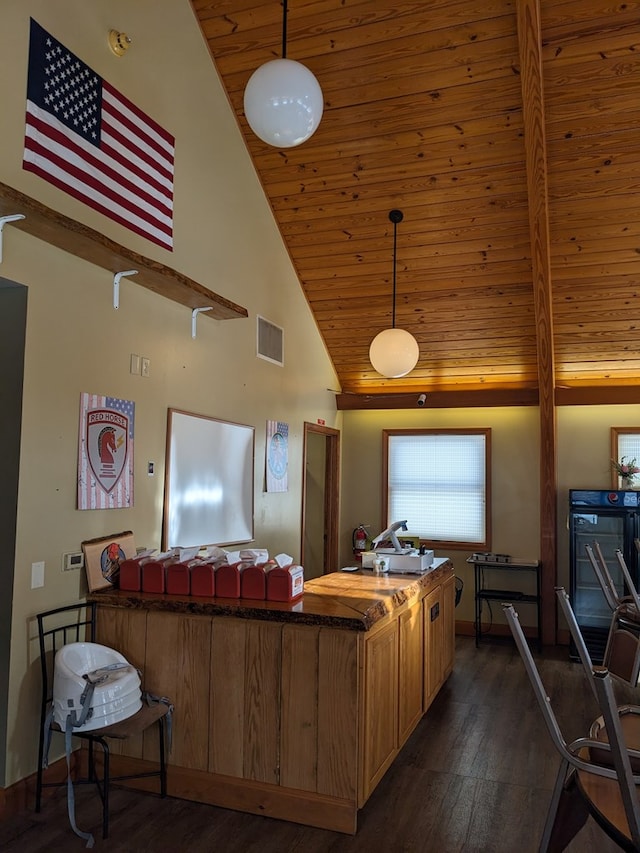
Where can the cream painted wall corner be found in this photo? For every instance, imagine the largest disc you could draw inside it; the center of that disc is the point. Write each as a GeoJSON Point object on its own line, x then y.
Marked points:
{"type": "Point", "coordinates": [225, 237]}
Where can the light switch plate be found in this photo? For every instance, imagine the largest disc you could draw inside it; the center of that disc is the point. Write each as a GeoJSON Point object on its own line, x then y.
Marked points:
{"type": "Point", "coordinates": [135, 364]}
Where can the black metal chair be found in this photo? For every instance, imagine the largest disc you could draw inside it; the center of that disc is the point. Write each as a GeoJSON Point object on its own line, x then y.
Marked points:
{"type": "Point", "coordinates": [613, 800]}
{"type": "Point", "coordinates": [77, 623]}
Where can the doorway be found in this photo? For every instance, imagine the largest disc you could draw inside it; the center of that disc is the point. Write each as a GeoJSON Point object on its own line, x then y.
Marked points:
{"type": "Point", "coordinates": [13, 321]}
{"type": "Point", "coordinates": [320, 500]}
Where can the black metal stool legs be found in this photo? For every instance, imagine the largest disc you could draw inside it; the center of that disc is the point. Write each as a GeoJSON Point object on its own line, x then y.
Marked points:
{"type": "Point", "coordinates": [105, 798]}
{"type": "Point", "coordinates": [163, 766]}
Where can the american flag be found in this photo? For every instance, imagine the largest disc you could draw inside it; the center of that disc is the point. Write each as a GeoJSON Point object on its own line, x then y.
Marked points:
{"type": "Point", "coordinates": [94, 144]}
{"type": "Point", "coordinates": [90, 493]}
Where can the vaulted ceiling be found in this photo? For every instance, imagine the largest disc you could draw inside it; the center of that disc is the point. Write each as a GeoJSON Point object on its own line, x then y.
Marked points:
{"type": "Point", "coordinates": [507, 132]}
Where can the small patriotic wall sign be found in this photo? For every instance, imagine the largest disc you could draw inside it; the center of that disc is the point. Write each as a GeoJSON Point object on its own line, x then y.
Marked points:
{"type": "Point", "coordinates": [105, 453]}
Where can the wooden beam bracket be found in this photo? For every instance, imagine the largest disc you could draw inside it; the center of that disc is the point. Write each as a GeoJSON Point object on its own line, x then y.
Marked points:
{"type": "Point", "coordinates": [116, 285]}
{"type": "Point", "coordinates": [194, 317]}
{"type": "Point", "coordinates": [12, 217]}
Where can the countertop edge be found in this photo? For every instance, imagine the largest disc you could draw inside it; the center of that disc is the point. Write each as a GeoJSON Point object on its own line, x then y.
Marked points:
{"type": "Point", "coordinates": [350, 605]}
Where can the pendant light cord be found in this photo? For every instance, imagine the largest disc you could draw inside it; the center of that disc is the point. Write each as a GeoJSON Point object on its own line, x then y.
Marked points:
{"type": "Point", "coordinates": [395, 243]}
{"type": "Point", "coordinates": [284, 29]}
{"type": "Point", "coordinates": [395, 216]}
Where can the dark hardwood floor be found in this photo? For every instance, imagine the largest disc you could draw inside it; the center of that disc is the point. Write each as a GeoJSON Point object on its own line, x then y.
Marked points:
{"type": "Point", "coordinates": [475, 776]}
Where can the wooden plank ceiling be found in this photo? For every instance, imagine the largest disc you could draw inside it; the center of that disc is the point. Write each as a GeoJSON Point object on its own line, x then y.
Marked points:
{"type": "Point", "coordinates": [424, 112]}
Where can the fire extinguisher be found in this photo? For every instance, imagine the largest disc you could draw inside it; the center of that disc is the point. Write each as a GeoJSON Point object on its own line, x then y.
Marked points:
{"type": "Point", "coordinates": [359, 539]}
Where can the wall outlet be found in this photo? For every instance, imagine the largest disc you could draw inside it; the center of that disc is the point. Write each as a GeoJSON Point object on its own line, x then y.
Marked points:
{"type": "Point", "coordinates": [37, 574]}
{"type": "Point", "coordinates": [145, 366]}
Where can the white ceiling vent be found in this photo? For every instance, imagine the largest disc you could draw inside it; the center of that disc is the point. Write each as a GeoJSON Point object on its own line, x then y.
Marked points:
{"type": "Point", "coordinates": [270, 341]}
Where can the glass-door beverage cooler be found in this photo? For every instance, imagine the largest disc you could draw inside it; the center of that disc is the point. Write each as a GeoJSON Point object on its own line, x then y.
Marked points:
{"type": "Point", "coordinates": [611, 518]}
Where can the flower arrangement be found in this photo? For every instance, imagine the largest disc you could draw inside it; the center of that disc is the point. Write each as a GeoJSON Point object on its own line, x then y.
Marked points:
{"type": "Point", "coordinates": [626, 470]}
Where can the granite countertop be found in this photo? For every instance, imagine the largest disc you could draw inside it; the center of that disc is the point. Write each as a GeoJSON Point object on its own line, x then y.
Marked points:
{"type": "Point", "coordinates": [355, 601]}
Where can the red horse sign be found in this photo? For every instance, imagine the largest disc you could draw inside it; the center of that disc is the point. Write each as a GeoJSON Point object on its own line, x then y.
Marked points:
{"type": "Point", "coordinates": [105, 464]}
{"type": "Point", "coordinates": [107, 439]}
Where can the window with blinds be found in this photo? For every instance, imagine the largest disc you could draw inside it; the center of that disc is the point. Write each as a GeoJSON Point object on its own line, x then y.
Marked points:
{"type": "Point", "coordinates": [439, 480]}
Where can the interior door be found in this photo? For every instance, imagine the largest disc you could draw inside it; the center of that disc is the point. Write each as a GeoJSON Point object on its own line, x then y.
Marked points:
{"type": "Point", "coordinates": [13, 321]}
{"type": "Point", "coordinates": [320, 500]}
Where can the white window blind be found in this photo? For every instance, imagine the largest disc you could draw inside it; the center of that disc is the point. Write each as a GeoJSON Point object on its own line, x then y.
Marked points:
{"type": "Point", "coordinates": [629, 446]}
{"type": "Point", "coordinates": [438, 482]}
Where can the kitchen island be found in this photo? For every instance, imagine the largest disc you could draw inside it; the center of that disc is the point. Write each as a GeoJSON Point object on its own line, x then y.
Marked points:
{"type": "Point", "coordinates": [291, 710]}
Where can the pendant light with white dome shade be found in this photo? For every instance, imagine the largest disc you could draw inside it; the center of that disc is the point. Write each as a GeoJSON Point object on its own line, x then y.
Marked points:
{"type": "Point", "coordinates": [394, 352]}
{"type": "Point", "coordinates": [283, 101]}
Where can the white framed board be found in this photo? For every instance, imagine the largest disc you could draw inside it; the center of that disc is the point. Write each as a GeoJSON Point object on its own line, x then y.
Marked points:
{"type": "Point", "coordinates": [208, 496]}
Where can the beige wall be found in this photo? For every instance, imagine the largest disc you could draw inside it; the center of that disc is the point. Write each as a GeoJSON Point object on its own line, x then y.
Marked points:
{"type": "Point", "coordinates": [225, 238]}
{"type": "Point", "coordinates": [583, 451]}
{"type": "Point", "coordinates": [515, 487]}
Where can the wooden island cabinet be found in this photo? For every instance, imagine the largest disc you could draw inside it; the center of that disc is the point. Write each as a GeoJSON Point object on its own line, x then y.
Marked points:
{"type": "Point", "coordinates": [291, 710]}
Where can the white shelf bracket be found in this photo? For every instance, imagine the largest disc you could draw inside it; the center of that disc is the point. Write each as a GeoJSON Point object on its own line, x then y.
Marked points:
{"type": "Point", "coordinates": [14, 217]}
{"type": "Point", "coordinates": [116, 285]}
{"type": "Point", "coordinates": [194, 315]}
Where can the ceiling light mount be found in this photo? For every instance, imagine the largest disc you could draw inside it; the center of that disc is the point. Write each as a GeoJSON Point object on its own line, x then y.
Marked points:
{"type": "Point", "coordinates": [283, 101]}
{"type": "Point", "coordinates": [394, 352]}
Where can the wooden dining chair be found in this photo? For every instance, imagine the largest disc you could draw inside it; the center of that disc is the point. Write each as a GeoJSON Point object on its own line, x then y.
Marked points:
{"type": "Point", "coordinates": [584, 786]}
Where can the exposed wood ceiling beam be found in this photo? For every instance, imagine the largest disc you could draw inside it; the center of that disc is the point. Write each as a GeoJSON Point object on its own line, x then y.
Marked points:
{"type": "Point", "coordinates": [579, 395]}
{"type": "Point", "coordinates": [530, 47]}
{"type": "Point", "coordinates": [488, 398]}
